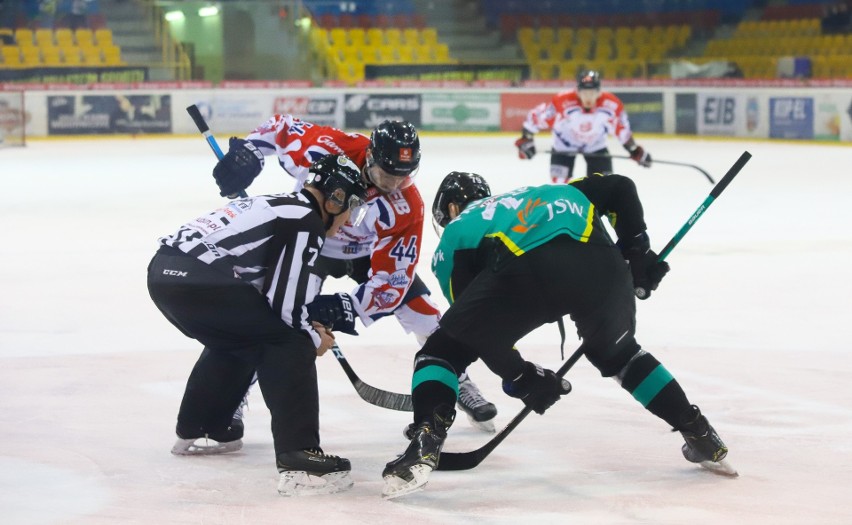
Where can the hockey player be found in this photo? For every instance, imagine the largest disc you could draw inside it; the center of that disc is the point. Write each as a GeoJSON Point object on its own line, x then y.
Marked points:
{"type": "Point", "coordinates": [580, 121]}
{"type": "Point", "coordinates": [238, 280]}
{"type": "Point", "coordinates": [513, 262]}
{"type": "Point", "coordinates": [381, 254]}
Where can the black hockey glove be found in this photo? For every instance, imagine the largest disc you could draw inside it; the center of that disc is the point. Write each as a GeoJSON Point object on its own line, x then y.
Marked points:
{"type": "Point", "coordinates": [646, 270]}
{"type": "Point", "coordinates": [537, 387]}
{"type": "Point", "coordinates": [335, 311]}
{"type": "Point", "coordinates": [639, 154]}
{"type": "Point", "coordinates": [238, 168]}
{"type": "Point", "coordinates": [525, 145]}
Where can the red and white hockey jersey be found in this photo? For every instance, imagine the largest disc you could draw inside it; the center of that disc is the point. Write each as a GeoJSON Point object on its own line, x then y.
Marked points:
{"type": "Point", "coordinates": [577, 130]}
{"type": "Point", "coordinates": [391, 232]}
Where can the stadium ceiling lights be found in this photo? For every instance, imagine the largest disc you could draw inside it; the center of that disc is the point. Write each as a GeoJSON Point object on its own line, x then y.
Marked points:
{"type": "Point", "coordinates": [208, 10]}
{"type": "Point", "coordinates": [174, 16]}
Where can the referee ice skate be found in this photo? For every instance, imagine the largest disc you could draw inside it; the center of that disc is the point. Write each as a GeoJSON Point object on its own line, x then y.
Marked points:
{"type": "Point", "coordinates": [513, 262]}
{"type": "Point", "coordinates": [238, 280]}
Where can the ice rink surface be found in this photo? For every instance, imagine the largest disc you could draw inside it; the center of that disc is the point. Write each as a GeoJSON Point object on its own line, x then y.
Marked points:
{"type": "Point", "coordinates": [753, 320]}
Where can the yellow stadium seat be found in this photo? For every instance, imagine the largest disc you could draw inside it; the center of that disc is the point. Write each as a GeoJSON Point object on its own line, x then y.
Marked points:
{"type": "Point", "coordinates": [84, 37]}
{"type": "Point", "coordinates": [103, 37]}
{"type": "Point", "coordinates": [11, 56]}
{"type": "Point", "coordinates": [393, 36]}
{"type": "Point", "coordinates": [24, 37]}
{"type": "Point", "coordinates": [71, 56]}
{"type": "Point", "coordinates": [91, 56]}
{"type": "Point", "coordinates": [429, 36]}
{"type": "Point", "coordinates": [30, 56]}
{"type": "Point", "coordinates": [411, 36]}
{"type": "Point", "coordinates": [442, 54]}
{"type": "Point", "coordinates": [64, 37]}
{"type": "Point", "coordinates": [546, 36]}
{"type": "Point", "coordinates": [338, 37]}
{"type": "Point", "coordinates": [375, 37]}
{"type": "Point", "coordinates": [112, 55]}
{"type": "Point", "coordinates": [358, 36]}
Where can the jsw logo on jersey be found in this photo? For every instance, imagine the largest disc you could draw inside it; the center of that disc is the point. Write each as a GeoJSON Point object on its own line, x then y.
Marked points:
{"type": "Point", "coordinates": [560, 206]}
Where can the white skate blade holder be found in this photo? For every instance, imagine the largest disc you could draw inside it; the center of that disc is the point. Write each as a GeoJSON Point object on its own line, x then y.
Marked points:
{"type": "Point", "coordinates": [301, 483]}
{"type": "Point", "coordinates": [482, 426]}
{"type": "Point", "coordinates": [722, 468]}
{"type": "Point", "coordinates": [204, 447]}
{"type": "Point", "coordinates": [396, 486]}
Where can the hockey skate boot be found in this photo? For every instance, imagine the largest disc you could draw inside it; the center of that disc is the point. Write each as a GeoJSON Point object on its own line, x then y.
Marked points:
{"type": "Point", "coordinates": [410, 471]}
{"type": "Point", "coordinates": [703, 445]}
{"type": "Point", "coordinates": [311, 472]}
{"type": "Point", "coordinates": [479, 411]}
{"type": "Point", "coordinates": [205, 444]}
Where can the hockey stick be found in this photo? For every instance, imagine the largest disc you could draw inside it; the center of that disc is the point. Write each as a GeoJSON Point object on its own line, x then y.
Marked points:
{"type": "Point", "coordinates": [627, 157]}
{"type": "Point", "coordinates": [469, 460]}
{"type": "Point", "coordinates": [202, 126]}
{"type": "Point", "coordinates": [371, 394]}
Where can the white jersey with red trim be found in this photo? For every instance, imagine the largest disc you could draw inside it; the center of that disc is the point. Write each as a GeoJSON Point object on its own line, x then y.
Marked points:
{"type": "Point", "coordinates": [575, 129]}
{"type": "Point", "coordinates": [391, 232]}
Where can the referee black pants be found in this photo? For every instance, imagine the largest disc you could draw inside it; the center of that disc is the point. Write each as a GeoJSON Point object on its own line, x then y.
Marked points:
{"type": "Point", "coordinates": [589, 283]}
{"type": "Point", "coordinates": [240, 334]}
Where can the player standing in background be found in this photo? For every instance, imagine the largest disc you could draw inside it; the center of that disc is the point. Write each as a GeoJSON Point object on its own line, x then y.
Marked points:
{"type": "Point", "coordinates": [516, 261]}
{"type": "Point", "coordinates": [381, 254]}
{"type": "Point", "coordinates": [580, 120]}
{"type": "Point", "coordinates": [238, 280]}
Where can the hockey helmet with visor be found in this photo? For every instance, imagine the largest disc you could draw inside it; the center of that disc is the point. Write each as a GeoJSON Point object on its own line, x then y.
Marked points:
{"type": "Point", "coordinates": [340, 181]}
{"type": "Point", "coordinates": [460, 189]}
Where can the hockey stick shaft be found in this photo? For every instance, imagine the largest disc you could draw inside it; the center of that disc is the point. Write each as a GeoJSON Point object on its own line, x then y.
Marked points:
{"type": "Point", "coordinates": [714, 193]}
{"type": "Point", "coordinates": [202, 126]}
{"type": "Point", "coordinates": [655, 161]}
{"type": "Point", "coordinates": [469, 460]}
{"type": "Point", "coordinates": [371, 394]}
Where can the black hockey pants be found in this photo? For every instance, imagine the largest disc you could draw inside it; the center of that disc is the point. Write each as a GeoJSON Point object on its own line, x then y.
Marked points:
{"type": "Point", "coordinates": [240, 334]}
{"type": "Point", "coordinates": [591, 283]}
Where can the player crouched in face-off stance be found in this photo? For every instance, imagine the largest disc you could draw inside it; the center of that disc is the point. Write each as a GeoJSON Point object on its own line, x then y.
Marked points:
{"type": "Point", "coordinates": [513, 262]}
{"type": "Point", "coordinates": [381, 253]}
{"type": "Point", "coordinates": [238, 280]}
{"type": "Point", "coordinates": [580, 121]}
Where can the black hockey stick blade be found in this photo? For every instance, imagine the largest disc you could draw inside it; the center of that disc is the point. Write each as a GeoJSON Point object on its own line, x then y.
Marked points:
{"type": "Point", "coordinates": [371, 394]}
{"type": "Point", "coordinates": [653, 161]}
{"type": "Point", "coordinates": [202, 126]}
{"type": "Point", "coordinates": [469, 460]}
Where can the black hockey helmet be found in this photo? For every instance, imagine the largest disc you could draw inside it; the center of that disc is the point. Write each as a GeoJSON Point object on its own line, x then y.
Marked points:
{"type": "Point", "coordinates": [340, 181]}
{"type": "Point", "coordinates": [589, 79]}
{"type": "Point", "coordinates": [458, 188]}
{"type": "Point", "coordinates": [395, 148]}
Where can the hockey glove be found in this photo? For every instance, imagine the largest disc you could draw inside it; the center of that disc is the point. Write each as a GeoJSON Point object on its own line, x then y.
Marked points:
{"type": "Point", "coordinates": [238, 168]}
{"type": "Point", "coordinates": [335, 311]}
{"type": "Point", "coordinates": [641, 156]}
{"type": "Point", "coordinates": [525, 145]}
{"type": "Point", "coordinates": [537, 387]}
{"type": "Point", "coordinates": [646, 270]}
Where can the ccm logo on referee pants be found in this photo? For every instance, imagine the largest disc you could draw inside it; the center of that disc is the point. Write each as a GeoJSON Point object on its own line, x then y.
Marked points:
{"type": "Point", "coordinates": [175, 273]}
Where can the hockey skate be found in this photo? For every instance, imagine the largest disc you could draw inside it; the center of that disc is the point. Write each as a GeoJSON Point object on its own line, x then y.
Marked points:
{"type": "Point", "coordinates": [479, 411]}
{"type": "Point", "coordinates": [703, 445]}
{"type": "Point", "coordinates": [311, 472]}
{"type": "Point", "coordinates": [410, 472]}
{"type": "Point", "coordinates": [229, 440]}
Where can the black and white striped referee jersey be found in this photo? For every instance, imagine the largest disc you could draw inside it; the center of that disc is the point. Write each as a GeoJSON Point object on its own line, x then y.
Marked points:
{"type": "Point", "coordinates": [270, 241]}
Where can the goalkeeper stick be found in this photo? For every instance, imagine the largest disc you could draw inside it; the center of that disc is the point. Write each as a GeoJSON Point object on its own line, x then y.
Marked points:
{"type": "Point", "coordinates": [469, 460]}
{"type": "Point", "coordinates": [202, 126]}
